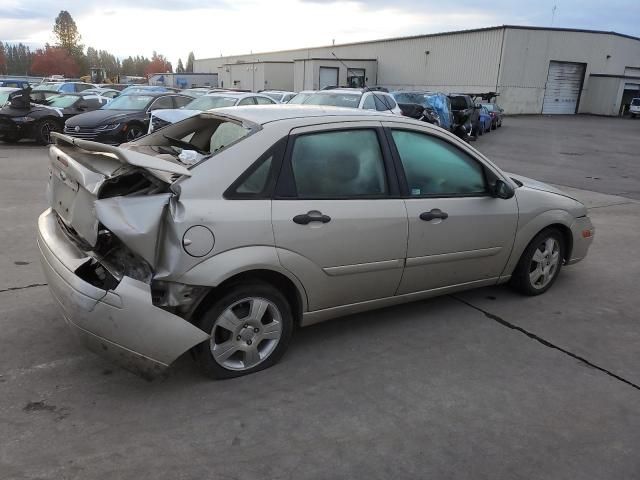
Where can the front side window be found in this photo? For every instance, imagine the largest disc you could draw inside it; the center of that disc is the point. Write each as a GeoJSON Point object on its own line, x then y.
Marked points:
{"type": "Point", "coordinates": [434, 167]}
{"type": "Point", "coordinates": [264, 101]}
{"type": "Point", "coordinates": [345, 163]}
{"type": "Point", "coordinates": [246, 101]}
{"type": "Point", "coordinates": [162, 102]}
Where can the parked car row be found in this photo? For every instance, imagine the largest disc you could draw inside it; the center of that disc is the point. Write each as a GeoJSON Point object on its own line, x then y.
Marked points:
{"type": "Point", "coordinates": [140, 109]}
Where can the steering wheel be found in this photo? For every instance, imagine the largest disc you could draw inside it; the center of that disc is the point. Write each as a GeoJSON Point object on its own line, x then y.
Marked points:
{"type": "Point", "coordinates": [185, 145]}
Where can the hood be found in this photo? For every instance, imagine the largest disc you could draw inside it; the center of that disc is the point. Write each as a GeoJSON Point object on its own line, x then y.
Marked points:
{"type": "Point", "coordinates": [536, 185]}
{"type": "Point", "coordinates": [100, 117]}
{"type": "Point", "coordinates": [10, 111]}
{"type": "Point", "coordinates": [174, 115]}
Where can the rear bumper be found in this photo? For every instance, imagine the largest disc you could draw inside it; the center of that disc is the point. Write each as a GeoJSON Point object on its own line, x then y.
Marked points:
{"type": "Point", "coordinates": [581, 243]}
{"type": "Point", "coordinates": [121, 324]}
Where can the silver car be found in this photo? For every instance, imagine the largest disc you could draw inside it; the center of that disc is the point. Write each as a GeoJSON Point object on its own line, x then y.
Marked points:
{"type": "Point", "coordinates": [293, 215]}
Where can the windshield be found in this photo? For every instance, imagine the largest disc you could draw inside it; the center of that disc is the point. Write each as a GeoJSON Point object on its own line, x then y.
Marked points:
{"type": "Point", "coordinates": [208, 102]}
{"type": "Point", "coordinates": [300, 98]}
{"type": "Point", "coordinates": [4, 96]}
{"type": "Point", "coordinates": [129, 102]}
{"type": "Point", "coordinates": [48, 86]}
{"type": "Point", "coordinates": [635, 102]}
{"type": "Point", "coordinates": [61, 101]}
{"type": "Point", "coordinates": [351, 100]}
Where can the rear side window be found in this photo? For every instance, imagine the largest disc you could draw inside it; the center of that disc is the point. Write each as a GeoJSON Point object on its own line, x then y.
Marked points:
{"type": "Point", "coordinates": [256, 182]}
{"type": "Point", "coordinates": [340, 164]}
{"type": "Point", "coordinates": [434, 167]}
{"type": "Point", "coordinates": [264, 101]}
{"type": "Point", "coordinates": [383, 102]}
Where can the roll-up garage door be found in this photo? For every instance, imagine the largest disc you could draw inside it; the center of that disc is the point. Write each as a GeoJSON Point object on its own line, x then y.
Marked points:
{"type": "Point", "coordinates": [328, 77]}
{"type": "Point", "coordinates": [564, 83]}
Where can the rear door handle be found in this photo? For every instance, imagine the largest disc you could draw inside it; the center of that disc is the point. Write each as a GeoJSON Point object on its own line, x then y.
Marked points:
{"type": "Point", "coordinates": [312, 216]}
{"type": "Point", "coordinates": [433, 214]}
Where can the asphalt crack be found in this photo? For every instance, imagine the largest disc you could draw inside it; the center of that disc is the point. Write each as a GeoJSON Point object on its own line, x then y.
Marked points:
{"type": "Point", "coordinates": [547, 343]}
{"type": "Point", "coordinates": [10, 289]}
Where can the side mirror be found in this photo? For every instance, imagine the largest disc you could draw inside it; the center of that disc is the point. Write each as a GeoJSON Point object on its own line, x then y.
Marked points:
{"type": "Point", "coordinates": [502, 189]}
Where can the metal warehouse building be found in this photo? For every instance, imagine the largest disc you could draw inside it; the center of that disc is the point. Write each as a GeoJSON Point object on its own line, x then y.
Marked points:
{"type": "Point", "coordinates": [535, 70]}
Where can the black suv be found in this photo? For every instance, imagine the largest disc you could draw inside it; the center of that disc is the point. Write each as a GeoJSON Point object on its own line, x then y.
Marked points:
{"type": "Point", "coordinates": [465, 112]}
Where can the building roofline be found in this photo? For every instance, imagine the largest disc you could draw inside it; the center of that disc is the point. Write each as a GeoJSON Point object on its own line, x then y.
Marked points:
{"type": "Point", "coordinates": [438, 34]}
{"type": "Point", "coordinates": [256, 61]}
{"type": "Point", "coordinates": [340, 59]}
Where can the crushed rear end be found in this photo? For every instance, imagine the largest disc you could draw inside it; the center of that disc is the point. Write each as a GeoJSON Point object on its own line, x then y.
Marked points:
{"type": "Point", "coordinates": [99, 244]}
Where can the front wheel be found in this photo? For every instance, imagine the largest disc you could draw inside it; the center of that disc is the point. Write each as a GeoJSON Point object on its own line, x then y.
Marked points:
{"type": "Point", "coordinates": [250, 327]}
{"type": "Point", "coordinates": [134, 131]}
{"type": "Point", "coordinates": [43, 128]}
{"type": "Point", "coordinates": [540, 264]}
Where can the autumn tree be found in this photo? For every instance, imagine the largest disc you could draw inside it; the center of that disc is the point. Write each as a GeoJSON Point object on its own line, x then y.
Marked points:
{"type": "Point", "coordinates": [158, 64]}
{"type": "Point", "coordinates": [54, 61]}
{"type": "Point", "coordinates": [66, 32]}
{"type": "Point", "coordinates": [190, 60]}
{"type": "Point", "coordinates": [180, 67]}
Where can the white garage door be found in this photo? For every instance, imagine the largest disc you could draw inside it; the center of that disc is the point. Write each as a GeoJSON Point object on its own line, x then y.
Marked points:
{"type": "Point", "coordinates": [328, 77]}
{"type": "Point", "coordinates": [564, 82]}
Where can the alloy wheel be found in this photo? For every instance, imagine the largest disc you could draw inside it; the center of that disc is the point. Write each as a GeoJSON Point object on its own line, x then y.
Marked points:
{"type": "Point", "coordinates": [544, 263]}
{"type": "Point", "coordinates": [246, 333]}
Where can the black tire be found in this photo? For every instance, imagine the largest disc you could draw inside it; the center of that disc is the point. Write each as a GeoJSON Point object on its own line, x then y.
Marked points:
{"type": "Point", "coordinates": [233, 295]}
{"type": "Point", "coordinates": [134, 130]}
{"type": "Point", "coordinates": [521, 278]}
{"type": "Point", "coordinates": [43, 128]}
{"type": "Point", "coordinates": [499, 123]}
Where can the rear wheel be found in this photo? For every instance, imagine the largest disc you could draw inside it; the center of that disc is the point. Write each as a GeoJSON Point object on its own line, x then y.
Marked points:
{"type": "Point", "coordinates": [250, 327]}
{"type": "Point", "coordinates": [540, 263]}
{"type": "Point", "coordinates": [43, 128]}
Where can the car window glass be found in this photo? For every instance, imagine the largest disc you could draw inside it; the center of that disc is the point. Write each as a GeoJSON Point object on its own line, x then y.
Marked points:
{"type": "Point", "coordinates": [433, 166]}
{"type": "Point", "coordinates": [338, 164]}
{"type": "Point", "coordinates": [182, 101]}
{"type": "Point", "coordinates": [247, 101]}
{"type": "Point", "coordinates": [81, 87]}
{"type": "Point", "coordinates": [257, 181]}
{"type": "Point", "coordinates": [162, 102]}
{"type": "Point", "coordinates": [226, 134]}
{"type": "Point", "coordinates": [67, 88]}
{"type": "Point", "coordinates": [382, 102]}
{"type": "Point", "coordinates": [264, 101]}
{"type": "Point", "coordinates": [369, 103]}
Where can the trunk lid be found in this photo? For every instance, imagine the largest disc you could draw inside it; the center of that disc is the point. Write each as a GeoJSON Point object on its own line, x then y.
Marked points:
{"type": "Point", "coordinates": [82, 173]}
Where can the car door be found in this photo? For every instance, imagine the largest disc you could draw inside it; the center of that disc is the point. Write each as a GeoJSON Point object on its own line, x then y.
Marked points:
{"type": "Point", "coordinates": [339, 224]}
{"type": "Point", "coordinates": [459, 233]}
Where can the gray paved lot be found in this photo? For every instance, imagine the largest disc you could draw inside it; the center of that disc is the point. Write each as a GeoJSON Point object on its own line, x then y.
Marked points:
{"type": "Point", "coordinates": [438, 389]}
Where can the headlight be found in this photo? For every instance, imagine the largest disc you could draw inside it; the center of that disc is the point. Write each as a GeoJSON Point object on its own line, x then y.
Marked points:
{"type": "Point", "coordinates": [110, 126]}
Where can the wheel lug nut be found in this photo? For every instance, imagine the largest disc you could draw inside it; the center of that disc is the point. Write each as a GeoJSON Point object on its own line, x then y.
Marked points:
{"type": "Point", "coordinates": [249, 342]}
{"type": "Point", "coordinates": [238, 337]}
{"type": "Point", "coordinates": [246, 326]}
{"type": "Point", "coordinates": [256, 330]}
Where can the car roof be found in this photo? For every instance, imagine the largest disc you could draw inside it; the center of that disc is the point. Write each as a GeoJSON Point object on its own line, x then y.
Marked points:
{"type": "Point", "coordinates": [263, 114]}
{"type": "Point", "coordinates": [150, 94]}
{"type": "Point", "coordinates": [233, 94]}
{"type": "Point", "coordinates": [343, 90]}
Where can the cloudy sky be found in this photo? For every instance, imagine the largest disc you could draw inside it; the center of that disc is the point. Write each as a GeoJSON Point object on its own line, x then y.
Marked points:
{"type": "Point", "coordinates": [212, 28]}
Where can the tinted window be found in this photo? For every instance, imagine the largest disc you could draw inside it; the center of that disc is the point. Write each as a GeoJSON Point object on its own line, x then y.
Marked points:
{"type": "Point", "coordinates": [264, 101]}
{"type": "Point", "coordinates": [383, 103]}
{"type": "Point", "coordinates": [182, 101]}
{"type": "Point", "coordinates": [435, 167]}
{"type": "Point", "coordinates": [338, 164]}
{"type": "Point", "coordinates": [162, 102]}
{"type": "Point", "coordinates": [458, 103]}
{"type": "Point", "coordinates": [369, 103]}
{"type": "Point", "coordinates": [257, 181]}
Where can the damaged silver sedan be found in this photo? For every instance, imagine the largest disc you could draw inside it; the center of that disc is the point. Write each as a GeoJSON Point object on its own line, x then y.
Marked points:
{"type": "Point", "coordinates": [219, 234]}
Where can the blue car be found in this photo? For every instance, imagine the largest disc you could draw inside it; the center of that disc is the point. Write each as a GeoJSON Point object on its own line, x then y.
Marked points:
{"type": "Point", "coordinates": [439, 102]}
{"type": "Point", "coordinates": [13, 83]}
{"type": "Point", "coordinates": [485, 121]}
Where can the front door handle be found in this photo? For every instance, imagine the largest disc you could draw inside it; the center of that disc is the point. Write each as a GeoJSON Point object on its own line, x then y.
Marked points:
{"type": "Point", "coordinates": [312, 216]}
{"type": "Point", "coordinates": [433, 214]}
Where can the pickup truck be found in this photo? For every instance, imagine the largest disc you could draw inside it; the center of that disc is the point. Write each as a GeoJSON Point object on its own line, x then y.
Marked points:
{"type": "Point", "coordinates": [465, 112]}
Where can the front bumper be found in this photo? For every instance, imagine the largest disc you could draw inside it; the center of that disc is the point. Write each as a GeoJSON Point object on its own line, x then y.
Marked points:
{"type": "Point", "coordinates": [581, 242]}
{"type": "Point", "coordinates": [121, 324]}
{"type": "Point", "coordinates": [110, 137]}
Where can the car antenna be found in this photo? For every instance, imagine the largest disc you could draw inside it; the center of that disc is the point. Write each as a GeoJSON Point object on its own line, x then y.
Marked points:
{"type": "Point", "coordinates": [364, 83]}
